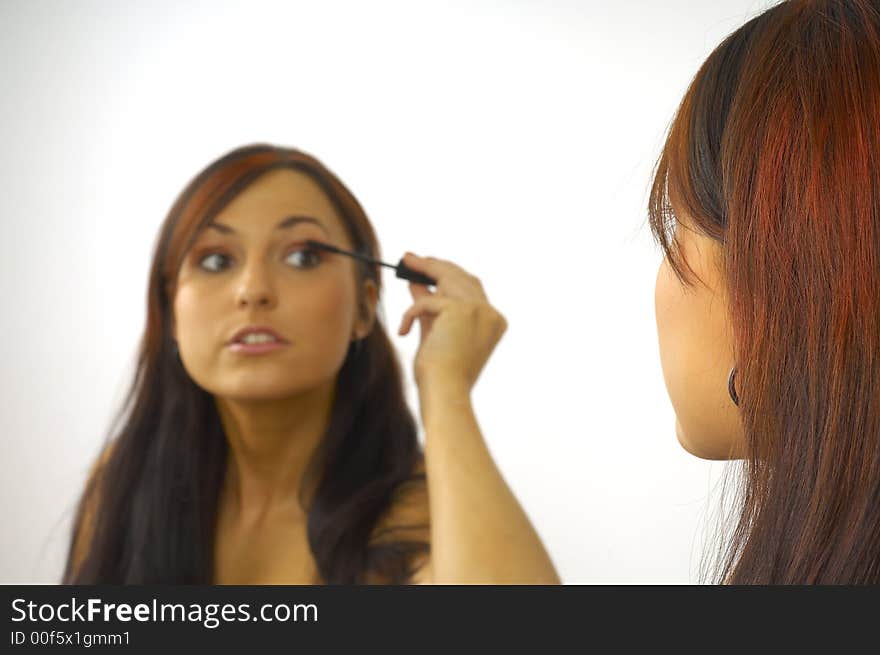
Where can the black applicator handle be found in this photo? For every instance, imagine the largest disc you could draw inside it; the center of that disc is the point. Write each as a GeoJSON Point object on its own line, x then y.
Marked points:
{"type": "Point", "coordinates": [406, 273]}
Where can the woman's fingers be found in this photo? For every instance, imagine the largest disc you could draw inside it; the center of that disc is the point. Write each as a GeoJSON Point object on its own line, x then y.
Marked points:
{"type": "Point", "coordinates": [459, 327]}
{"type": "Point", "coordinates": [430, 304]}
{"type": "Point", "coordinates": [452, 279]}
{"type": "Point", "coordinates": [419, 290]}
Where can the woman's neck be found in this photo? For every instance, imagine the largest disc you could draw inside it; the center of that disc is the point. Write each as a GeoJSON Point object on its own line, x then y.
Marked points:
{"type": "Point", "coordinates": [271, 443]}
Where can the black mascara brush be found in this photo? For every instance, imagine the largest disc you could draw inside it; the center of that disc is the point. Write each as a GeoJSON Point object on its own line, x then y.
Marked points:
{"type": "Point", "coordinates": [403, 271]}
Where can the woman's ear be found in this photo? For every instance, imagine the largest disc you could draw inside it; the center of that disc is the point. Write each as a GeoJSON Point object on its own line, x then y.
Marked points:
{"type": "Point", "coordinates": [366, 309]}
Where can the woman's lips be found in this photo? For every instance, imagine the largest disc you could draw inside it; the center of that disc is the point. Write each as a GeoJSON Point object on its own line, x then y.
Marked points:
{"type": "Point", "coordinates": [255, 348]}
{"type": "Point", "coordinates": [256, 329]}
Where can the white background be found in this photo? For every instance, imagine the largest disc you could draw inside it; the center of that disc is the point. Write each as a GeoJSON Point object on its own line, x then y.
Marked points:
{"type": "Point", "coordinates": [516, 138]}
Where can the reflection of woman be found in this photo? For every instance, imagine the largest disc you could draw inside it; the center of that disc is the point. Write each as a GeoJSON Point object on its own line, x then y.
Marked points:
{"type": "Point", "coordinates": [299, 463]}
{"type": "Point", "coordinates": [767, 204]}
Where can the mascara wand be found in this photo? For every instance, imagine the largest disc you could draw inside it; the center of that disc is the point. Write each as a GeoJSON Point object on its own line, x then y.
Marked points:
{"type": "Point", "coordinates": [403, 271]}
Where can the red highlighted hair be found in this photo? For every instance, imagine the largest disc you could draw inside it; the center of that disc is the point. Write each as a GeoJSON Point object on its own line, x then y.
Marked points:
{"type": "Point", "coordinates": [775, 153]}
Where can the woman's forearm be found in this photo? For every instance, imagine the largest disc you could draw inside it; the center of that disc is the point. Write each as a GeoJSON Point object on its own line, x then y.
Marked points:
{"type": "Point", "coordinates": [479, 531]}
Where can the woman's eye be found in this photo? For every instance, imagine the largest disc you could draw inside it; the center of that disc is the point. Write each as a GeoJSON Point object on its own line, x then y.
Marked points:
{"type": "Point", "coordinates": [304, 258]}
{"type": "Point", "coordinates": [213, 262]}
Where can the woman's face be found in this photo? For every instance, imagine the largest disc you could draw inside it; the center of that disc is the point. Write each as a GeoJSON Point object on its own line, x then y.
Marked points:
{"type": "Point", "coordinates": [697, 350]}
{"type": "Point", "coordinates": [248, 268]}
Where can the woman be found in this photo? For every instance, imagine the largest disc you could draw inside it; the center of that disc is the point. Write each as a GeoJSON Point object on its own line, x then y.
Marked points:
{"type": "Point", "coordinates": [267, 439]}
{"type": "Point", "coordinates": [766, 202]}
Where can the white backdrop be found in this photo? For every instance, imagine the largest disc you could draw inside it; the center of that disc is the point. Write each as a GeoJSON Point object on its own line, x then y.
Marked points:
{"type": "Point", "coordinates": [516, 138]}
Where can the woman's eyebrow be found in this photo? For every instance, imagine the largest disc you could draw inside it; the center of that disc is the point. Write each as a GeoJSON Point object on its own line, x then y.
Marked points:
{"type": "Point", "coordinates": [287, 223]}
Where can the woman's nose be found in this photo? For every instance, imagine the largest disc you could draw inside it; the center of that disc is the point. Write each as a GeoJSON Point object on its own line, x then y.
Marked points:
{"type": "Point", "coordinates": [255, 289]}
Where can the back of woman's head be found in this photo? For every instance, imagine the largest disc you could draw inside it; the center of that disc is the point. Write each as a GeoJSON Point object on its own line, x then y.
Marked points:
{"type": "Point", "coordinates": [775, 153]}
{"type": "Point", "coordinates": [155, 497]}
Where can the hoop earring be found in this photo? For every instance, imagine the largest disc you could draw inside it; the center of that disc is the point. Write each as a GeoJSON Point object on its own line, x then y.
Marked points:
{"type": "Point", "coordinates": [731, 388]}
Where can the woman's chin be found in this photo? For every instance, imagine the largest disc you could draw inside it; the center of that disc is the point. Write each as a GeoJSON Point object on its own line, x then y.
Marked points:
{"type": "Point", "coordinates": [259, 390]}
{"type": "Point", "coordinates": [716, 448]}
{"type": "Point", "coordinates": [263, 388]}
{"type": "Point", "coordinates": [253, 397]}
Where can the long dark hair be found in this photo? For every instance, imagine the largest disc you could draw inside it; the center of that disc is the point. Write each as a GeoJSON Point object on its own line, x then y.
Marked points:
{"type": "Point", "coordinates": [775, 153]}
{"type": "Point", "coordinates": [152, 504]}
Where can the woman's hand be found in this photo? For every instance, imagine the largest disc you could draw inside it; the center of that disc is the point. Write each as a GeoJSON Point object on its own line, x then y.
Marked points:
{"type": "Point", "coordinates": [459, 328]}
{"type": "Point", "coordinates": [459, 331]}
